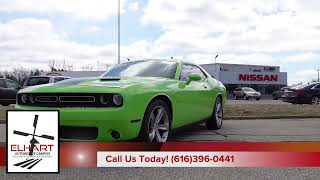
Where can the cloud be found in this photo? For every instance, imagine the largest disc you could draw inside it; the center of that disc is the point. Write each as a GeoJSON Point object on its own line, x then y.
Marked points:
{"type": "Point", "coordinates": [81, 9]}
{"type": "Point", "coordinates": [31, 43]}
{"type": "Point", "coordinates": [237, 26]}
{"type": "Point", "coordinates": [92, 29]}
{"type": "Point", "coordinates": [133, 6]}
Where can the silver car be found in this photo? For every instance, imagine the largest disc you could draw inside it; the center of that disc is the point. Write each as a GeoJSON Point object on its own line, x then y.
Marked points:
{"type": "Point", "coordinates": [246, 93]}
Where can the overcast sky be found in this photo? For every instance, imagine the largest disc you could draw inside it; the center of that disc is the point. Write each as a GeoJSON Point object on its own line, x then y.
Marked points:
{"type": "Point", "coordinates": [273, 32]}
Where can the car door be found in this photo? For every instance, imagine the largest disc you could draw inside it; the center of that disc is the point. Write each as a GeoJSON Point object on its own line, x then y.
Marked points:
{"type": "Point", "coordinates": [193, 102]}
{"type": "Point", "coordinates": [316, 91]}
{"type": "Point", "coordinates": [3, 90]}
{"type": "Point", "coordinates": [12, 89]}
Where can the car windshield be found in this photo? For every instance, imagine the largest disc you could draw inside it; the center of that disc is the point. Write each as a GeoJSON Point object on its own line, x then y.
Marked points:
{"type": "Point", "coordinates": [248, 89]}
{"type": "Point", "coordinates": [302, 86]}
{"type": "Point", "coordinates": [165, 69]}
{"type": "Point", "coordinates": [32, 81]}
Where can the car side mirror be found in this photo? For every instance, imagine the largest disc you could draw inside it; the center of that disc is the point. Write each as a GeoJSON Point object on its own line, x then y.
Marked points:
{"type": "Point", "coordinates": [193, 77]}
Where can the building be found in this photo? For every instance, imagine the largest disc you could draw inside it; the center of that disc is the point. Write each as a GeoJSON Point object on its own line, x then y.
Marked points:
{"type": "Point", "coordinates": [265, 79]}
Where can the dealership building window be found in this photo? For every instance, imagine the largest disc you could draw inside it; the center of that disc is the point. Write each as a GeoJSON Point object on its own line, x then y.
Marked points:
{"type": "Point", "coordinates": [265, 79]}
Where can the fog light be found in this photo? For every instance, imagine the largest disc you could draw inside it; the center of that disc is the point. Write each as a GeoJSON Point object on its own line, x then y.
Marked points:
{"type": "Point", "coordinates": [104, 99]}
{"type": "Point", "coordinates": [24, 98]}
{"type": "Point", "coordinates": [117, 99]}
{"type": "Point", "coordinates": [115, 134]}
{"type": "Point", "coordinates": [31, 99]}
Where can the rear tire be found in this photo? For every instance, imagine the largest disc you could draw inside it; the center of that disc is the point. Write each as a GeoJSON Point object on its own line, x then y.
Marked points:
{"type": "Point", "coordinates": [257, 99]}
{"type": "Point", "coordinates": [275, 97]}
{"type": "Point", "coordinates": [156, 123]}
{"type": "Point", "coordinates": [235, 97]}
{"type": "Point", "coordinates": [216, 120]}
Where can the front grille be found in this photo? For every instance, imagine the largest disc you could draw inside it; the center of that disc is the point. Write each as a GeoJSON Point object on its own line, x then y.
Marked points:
{"type": "Point", "coordinates": [68, 100]}
{"type": "Point", "coordinates": [77, 99]}
{"type": "Point", "coordinates": [46, 98]}
{"type": "Point", "coordinates": [78, 133]}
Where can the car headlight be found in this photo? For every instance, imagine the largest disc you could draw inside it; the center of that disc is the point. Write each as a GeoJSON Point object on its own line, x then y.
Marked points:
{"type": "Point", "coordinates": [24, 98]}
{"type": "Point", "coordinates": [31, 99]}
{"type": "Point", "coordinates": [104, 99]}
{"type": "Point", "coordinates": [117, 99]}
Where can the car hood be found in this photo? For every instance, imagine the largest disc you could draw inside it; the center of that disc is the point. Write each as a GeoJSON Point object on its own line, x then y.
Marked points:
{"type": "Point", "coordinates": [97, 84]}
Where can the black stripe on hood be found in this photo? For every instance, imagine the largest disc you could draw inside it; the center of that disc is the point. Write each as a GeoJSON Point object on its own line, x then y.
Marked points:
{"type": "Point", "coordinates": [74, 81]}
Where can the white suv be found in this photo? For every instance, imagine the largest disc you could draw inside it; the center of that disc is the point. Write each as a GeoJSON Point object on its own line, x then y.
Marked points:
{"type": "Point", "coordinates": [37, 80]}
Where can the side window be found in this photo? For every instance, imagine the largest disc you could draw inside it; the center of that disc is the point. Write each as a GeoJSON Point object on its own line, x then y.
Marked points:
{"type": "Point", "coordinates": [2, 83]}
{"type": "Point", "coordinates": [317, 86]}
{"type": "Point", "coordinates": [11, 84]}
{"type": "Point", "coordinates": [187, 69]}
{"type": "Point", "coordinates": [57, 79]}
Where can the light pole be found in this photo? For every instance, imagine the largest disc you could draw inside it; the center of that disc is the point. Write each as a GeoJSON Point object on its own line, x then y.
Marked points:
{"type": "Point", "coordinates": [318, 74]}
{"type": "Point", "coordinates": [118, 31]}
{"type": "Point", "coordinates": [215, 66]}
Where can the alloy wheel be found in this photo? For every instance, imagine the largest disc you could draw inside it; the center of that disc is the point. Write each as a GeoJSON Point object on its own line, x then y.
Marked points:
{"type": "Point", "coordinates": [159, 125]}
{"type": "Point", "coordinates": [315, 100]}
{"type": "Point", "coordinates": [219, 113]}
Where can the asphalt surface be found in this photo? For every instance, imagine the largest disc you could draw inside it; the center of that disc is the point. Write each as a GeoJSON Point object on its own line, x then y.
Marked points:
{"type": "Point", "coordinates": [244, 130]}
{"type": "Point", "coordinates": [274, 130]}
{"type": "Point", "coordinates": [174, 173]}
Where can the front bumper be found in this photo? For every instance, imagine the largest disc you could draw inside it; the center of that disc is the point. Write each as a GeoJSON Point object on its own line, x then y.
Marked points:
{"type": "Point", "coordinates": [254, 95]}
{"type": "Point", "coordinates": [105, 120]}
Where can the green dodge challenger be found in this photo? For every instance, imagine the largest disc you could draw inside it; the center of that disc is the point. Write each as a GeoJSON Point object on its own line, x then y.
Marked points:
{"type": "Point", "coordinates": [139, 100]}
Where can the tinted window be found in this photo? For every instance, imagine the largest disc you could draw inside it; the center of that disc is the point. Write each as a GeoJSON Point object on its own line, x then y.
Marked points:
{"type": "Point", "coordinates": [2, 83]}
{"type": "Point", "coordinates": [57, 79]}
{"type": "Point", "coordinates": [32, 81]}
{"type": "Point", "coordinates": [187, 69]}
{"type": "Point", "coordinates": [11, 84]}
{"type": "Point", "coordinates": [163, 69]}
{"type": "Point", "coordinates": [317, 86]}
{"type": "Point", "coordinates": [248, 89]}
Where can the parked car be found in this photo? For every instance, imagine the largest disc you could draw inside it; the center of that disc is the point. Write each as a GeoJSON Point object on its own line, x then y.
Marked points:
{"type": "Point", "coordinates": [303, 94]}
{"type": "Point", "coordinates": [142, 100]}
{"type": "Point", "coordinates": [279, 93]}
{"type": "Point", "coordinates": [38, 80]}
{"type": "Point", "coordinates": [8, 91]}
{"type": "Point", "coordinates": [246, 93]}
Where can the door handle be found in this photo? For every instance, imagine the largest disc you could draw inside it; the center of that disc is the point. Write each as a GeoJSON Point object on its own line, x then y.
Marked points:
{"type": "Point", "coordinates": [205, 86]}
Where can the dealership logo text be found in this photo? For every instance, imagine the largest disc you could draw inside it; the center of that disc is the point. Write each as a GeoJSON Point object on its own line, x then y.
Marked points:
{"type": "Point", "coordinates": [257, 77]}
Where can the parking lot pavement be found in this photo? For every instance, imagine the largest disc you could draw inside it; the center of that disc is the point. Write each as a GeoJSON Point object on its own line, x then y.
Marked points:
{"type": "Point", "coordinates": [255, 131]}
{"type": "Point", "coordinates": [233, 130]}
{"type": "Point", "coordinates": [173, 173]}
{"type": "Point", "coordinates": [245, 130]}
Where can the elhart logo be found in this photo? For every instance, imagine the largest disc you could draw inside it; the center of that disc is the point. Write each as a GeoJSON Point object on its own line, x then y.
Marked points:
{"type": "Point", "coordinates": [257, 77]}
{"type": "Point", "coordinates": [31, 141]}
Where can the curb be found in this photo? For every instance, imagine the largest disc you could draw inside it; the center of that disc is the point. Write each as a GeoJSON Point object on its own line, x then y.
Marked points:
{"type": "Point", "coordinates": [268, 117]}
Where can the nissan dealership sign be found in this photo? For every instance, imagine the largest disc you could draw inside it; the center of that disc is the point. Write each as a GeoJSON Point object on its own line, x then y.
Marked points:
{"type": "Point", "coordinates": [258, 77]}
{"type": "Point", "coordinates": [276, 78]}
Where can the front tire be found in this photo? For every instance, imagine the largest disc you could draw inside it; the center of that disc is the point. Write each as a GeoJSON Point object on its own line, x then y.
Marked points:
{"type": "Point", "coordinates": [216, 120]}
{"type": "Point", "coordinates": [156, 123]}
{"type": "Point", "coordinates": [315, 101]}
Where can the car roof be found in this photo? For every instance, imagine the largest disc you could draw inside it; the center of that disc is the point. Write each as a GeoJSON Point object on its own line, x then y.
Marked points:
{"type": "Point", "coordinates": [169, 60]}
{"type": "Point", "coordinates": [48, 76]}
